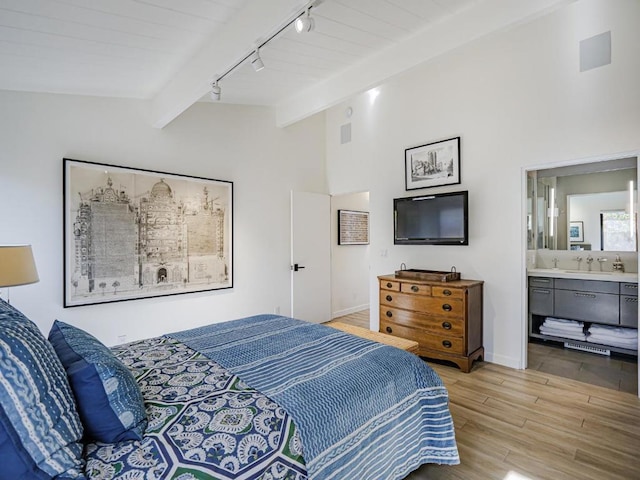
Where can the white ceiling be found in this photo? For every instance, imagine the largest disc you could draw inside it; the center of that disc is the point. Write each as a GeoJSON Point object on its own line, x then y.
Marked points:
{"type": "Point", "coordinates": [169, 51]}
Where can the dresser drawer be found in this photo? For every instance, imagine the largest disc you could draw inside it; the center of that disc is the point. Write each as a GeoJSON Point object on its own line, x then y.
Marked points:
{"type": "Point", "coordinates": [426, 340]}
{"type": "Point", "coordinates": [447, 292]}
{"type": "Point", "coordinates": [435, 306]}
{"type": "Point", "coordinates": [415, 288]}
{"type": "Point", "coordinates": [390, 285]}
{"type": "Point", "coordinates": [453, 327]}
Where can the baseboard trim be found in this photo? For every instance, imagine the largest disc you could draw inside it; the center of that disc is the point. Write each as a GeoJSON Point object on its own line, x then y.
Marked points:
{"type": "Point", "coordinates": [349, 311]}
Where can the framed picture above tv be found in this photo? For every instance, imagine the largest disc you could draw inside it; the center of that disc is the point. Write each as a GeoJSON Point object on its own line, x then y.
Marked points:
{"type": "Point", "coordinates": [432, 165]}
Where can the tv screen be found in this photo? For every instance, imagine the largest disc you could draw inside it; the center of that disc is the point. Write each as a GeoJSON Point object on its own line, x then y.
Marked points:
{"type": "Point", "coordinates": [440, 219]}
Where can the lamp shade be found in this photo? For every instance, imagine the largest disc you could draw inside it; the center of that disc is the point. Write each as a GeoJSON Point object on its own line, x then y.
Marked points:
{"type": "Point", "coordinates": [17, 266]}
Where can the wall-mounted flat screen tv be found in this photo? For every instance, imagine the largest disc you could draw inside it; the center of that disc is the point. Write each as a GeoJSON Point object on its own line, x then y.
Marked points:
{"type": "Point", "coordinates": [439, 219]}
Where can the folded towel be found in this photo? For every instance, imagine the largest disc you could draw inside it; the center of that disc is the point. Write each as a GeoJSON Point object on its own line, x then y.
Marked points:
{"type": "Point", "coordinates": [613, 343]}
{"type": "Point", "coordinates": [563, 321]}
{"type": "Point", "coordinates": [612, 338]}
{"type": "Point", "coordinates": [564, 328]}
{"type": "Point", "coordinates": [562, 333]}
{"type": "Point", "coordinates": [619, 332]}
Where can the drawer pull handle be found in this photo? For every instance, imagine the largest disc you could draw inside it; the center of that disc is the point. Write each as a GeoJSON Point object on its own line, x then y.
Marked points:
{"type": "Point", "coordinates": [632, 287]}
{"type": "Point", "coordinates": [537, 290]}
{"type": "Point", "coordinates": [446, 344]}
{"type": "Point", "coordinates": [446, 325]}
{"type": "Point", "coordinates": [389, 330]}
{"type": "Point", "coordinates": [389, 284]}
{"type": "Point", "coordinates": [631, 299]}
{"type": "Point", "coordinates": [389, 298]}
{"type": "Point", "coordinates": [446, 292]}
{"type": "Point", "coordinates": [585, 295]}
{"type": "Point", "coordinates": [389, 314]}
{"type": "Point", "coordinates": [414, 288]}
{"type": "Point", "coordinates": [446, 307]}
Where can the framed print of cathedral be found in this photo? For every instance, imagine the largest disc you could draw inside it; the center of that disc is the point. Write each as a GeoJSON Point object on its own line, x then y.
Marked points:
{"type": "Point", "coordinates": [131, 233]}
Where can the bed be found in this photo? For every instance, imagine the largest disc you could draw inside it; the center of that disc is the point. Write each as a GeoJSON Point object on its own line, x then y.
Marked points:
{"type": "Point", "coordinates": [263, 397]}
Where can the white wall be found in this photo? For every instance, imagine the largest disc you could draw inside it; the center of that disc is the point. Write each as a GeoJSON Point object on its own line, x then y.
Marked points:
{"type": "Point", "coordinates": [349, 263]}
{"type": "Point", "coordinates": [516, 99]}
{"type": "Point", "coordinates": [234, 143]}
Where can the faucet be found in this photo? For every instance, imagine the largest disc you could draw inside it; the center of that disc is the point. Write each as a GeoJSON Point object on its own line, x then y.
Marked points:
{"type": "Point", "coordinates": [578, 259]}
{"type": "Point", "coordinates": [589, 262]}
{"type": "Point", "coordinates": [618, 265]}
{"type": "Point", "coordinates": [555, 262]}
{"type": "Point", "coordinates": [600, 261]}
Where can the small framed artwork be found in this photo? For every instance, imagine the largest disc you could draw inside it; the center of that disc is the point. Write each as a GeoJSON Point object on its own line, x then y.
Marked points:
{"type": "Point", "coordinates": [576, 232]}
{"type": "Point", "coordinates": [432, 165]}
{"type": "Point", "coordinates": [132, 233]}
{"type": "Point", "coordinates": [353, 227]}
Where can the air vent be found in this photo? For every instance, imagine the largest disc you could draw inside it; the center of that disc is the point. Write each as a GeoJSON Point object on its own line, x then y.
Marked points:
{"type": "Point", "coordinates": [345, 133]}
{"type": "Point", "coordinates": [595, 52]}
{"type": "Point", "coordinates": [587, 348]}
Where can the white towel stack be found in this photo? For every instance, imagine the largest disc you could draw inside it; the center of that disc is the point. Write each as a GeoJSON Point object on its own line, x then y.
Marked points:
{"type": "Point", "coordinates": [614, 336]}
{"type": "Point", "coordinates": [560, 327]}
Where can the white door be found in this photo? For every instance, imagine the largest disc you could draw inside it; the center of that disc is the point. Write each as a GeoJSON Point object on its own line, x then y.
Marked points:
{"type": "Point", "coordinates": [310, 257]}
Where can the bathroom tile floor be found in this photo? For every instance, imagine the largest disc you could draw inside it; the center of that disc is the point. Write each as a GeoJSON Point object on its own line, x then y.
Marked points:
{"type": "Point", "coordinates": [617, 372]}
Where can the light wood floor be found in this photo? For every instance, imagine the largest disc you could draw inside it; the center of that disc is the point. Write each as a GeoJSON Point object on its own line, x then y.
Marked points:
{"type": "Point", "coordinates": [529, 425]}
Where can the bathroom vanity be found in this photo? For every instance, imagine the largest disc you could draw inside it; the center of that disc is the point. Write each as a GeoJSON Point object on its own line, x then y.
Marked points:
{"type": "Point", "coordinates": [602, 298]}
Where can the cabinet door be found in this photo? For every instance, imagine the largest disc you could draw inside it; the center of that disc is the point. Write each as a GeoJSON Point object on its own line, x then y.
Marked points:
{"type": "Point", "coordinates": [628, 311]}
{"type": "Point", "coordinates": [587, 306]}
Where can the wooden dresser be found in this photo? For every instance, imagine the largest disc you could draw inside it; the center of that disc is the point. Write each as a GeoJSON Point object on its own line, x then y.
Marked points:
{"type": "Point", "coordinates": [445, 318]}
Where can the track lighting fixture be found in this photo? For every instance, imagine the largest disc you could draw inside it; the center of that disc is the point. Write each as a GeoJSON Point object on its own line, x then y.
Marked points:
{"type": "Point", "coordinates": [216, 91]}
{"type": "Point", "coordinates": [304, 23]}
{"type": "Point", "coordinates": [256, 61]}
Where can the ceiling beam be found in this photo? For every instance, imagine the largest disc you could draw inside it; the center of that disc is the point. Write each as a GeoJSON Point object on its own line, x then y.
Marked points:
{"type": "Point", "coordinates": [485, 17]}
{"type": "Point", "coordinates": [224, 49]}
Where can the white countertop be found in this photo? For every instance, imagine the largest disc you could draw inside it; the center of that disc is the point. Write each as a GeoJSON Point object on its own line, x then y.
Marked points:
{"type": "Point", "coordinates": [583, 274]}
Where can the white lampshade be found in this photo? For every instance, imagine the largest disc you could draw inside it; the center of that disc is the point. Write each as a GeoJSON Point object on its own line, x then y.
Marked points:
{"type": "Point", "coordinates": [17, 266]}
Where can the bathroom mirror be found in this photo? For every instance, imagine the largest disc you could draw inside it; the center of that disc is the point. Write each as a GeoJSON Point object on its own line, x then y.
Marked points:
{"type": "Point", "coordinates": [589, 206]}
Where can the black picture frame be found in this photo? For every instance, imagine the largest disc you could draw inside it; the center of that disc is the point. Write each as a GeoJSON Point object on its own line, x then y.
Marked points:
{"type": "Point", "coordinates": [132, 233]}
{"type": "Point", "coordinates": [432, 165]}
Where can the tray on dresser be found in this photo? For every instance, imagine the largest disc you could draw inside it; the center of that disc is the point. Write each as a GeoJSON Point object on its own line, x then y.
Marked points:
{"type": "Point", "coordinates": [436, 275]}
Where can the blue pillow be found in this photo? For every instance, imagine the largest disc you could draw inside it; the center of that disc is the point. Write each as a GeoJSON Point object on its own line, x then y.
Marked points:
{"type": "Point", "coordinates": [40, 431]}
{"type": "Point", "coordinates": [109, 400]}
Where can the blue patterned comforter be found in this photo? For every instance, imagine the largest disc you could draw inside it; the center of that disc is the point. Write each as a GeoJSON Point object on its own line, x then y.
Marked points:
{"type": "Point", "coordinates": [364, 410]}
{"type": "Point", "coordinates": [270, 397]}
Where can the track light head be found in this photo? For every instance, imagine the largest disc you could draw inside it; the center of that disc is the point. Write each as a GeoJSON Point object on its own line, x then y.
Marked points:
{"type": "Point", "coordinates": [256, 61]}
{"type": "Point", "coordinates": [216, 91]}
{"type": "Point", "coordinates": [304, 23]}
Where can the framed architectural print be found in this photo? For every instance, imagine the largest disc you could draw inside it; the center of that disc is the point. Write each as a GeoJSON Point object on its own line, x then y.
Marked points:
{"type": "Point", "coordinates": [432, 165]}
{"type": "Point", "coordinates": [132, 234]}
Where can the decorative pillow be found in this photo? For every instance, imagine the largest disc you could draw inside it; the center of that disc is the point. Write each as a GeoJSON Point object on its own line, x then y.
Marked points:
{"type": "Point", "coordinates": [40, 431]}
{"type": "Point", "coordinates": [109, 400]}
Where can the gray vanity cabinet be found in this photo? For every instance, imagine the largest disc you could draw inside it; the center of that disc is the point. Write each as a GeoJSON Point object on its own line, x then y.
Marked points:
{"type": "Point", "coordinates": [587, 300]}
{"type": "Point", "coordinates": [590, 301]}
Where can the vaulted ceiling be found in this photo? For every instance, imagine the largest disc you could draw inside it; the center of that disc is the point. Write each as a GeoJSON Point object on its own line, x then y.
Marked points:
{"type": "Point", "coordinates": [169, 51]}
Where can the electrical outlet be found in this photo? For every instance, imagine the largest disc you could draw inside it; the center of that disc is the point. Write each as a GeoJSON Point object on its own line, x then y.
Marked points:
{"type": "Point", "coordinates": [122, 339]}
